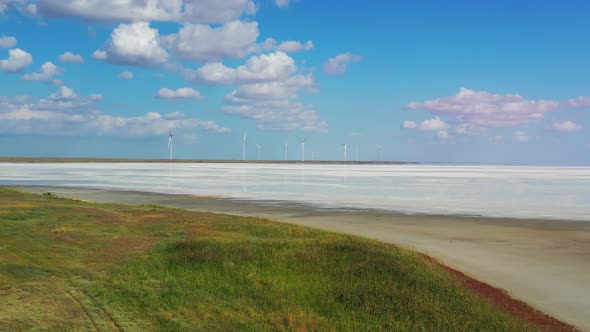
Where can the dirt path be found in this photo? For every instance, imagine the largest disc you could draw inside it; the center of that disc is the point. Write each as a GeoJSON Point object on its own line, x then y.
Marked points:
{"type": "Point", "coordinates": [68, 286]}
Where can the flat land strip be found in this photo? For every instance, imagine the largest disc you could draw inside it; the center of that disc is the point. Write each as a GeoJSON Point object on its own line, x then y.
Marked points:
{"type": "Point", "coordinates": [192, 161]}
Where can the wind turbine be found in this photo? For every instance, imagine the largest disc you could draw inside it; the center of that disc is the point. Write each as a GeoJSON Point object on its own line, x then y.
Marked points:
{"type": "Point", "coordinates": [357, 152]}
{"type": "Point", "coordinates": [286, 149]}
{"type": "Point", "coordinates": [380, 149]}
{"type": "Point", "coordinates": [302, 141]}
{"type": "Point", "coordinates": [259, 148]}
{"type": "Point", "coordinates": [345, 152]}
{"type": "Point", "coordinates": [244, 142]}
{"type": "Point", "coordinates": [170, 143]}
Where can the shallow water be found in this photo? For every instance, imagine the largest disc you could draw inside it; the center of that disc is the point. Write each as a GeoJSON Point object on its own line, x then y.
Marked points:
{"type": "Point", "coordinates": [496, 191]}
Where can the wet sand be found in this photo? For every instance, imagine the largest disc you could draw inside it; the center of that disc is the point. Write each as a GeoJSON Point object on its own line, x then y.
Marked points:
{"type": "Point", "coordinates": [545, 263]}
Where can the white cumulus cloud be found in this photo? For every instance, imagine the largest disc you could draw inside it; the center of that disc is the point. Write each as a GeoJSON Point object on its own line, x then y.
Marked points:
{"type": "Point", "coordinates": [295, 46]}
{"type": "Point", "coordinates": [280, 116]}
{"type": "Point", "coordinates": [435, 124]}
{"type": "Point", "coordinates": [5, 4]}
{"type": "Point", "coordinates": [282, 3]}
{"type": "Point", "coordinates": [409, 124]}
{"type": "Point", "coordinates": [266, 67]}
{"type": "Point", "coordinates": [7, 42]}
{"type": "Point", "coordinates": [286, 89]}
{"type": "Point", "coordinates": [520, 136]}
{"type": "Point", "coordinates": [126, 75]}
{"type": "Point", "coordinates": [17, 61]}
{"type": "Point", "coordinates": [269, 86]}
{"type": "Point", "coordinates": [99, 55]}
{"type": "Point", "coordinates": [567, 126]}
{"type": "Point", "coordinates": [71, 58]}
{"type": "Point", "coordinates": [580, 102]}
{"type": "Point", "coordinates": [135, 44]}
{"type": "Point", "coordinates": [96, 97]}
{"type": "Point", "coordinates": [276, 66]}
{"type": "Point", "coordinates": [289, 46]}
{"type": "Point", "coordinates": [488, 110]}
{"type": "Point", "coordinates": [199, 42]}
{"type": "Point", "coordinates": [64, 113]}
{"type": "Point", "coordinates": [64, 99]}
{"type": "Point", "coordinates": [443, 134]}
{"type": "Point", "coordinates": [30, 10]}
{"type": "Point", "coordinates": [339, 64]}
{"type": "Point", "coordinates": [181, 93]}
{"type": "Point", "coordinates": [193, 11]}
{"type": "Point", "coordinates": [63, 94]}
{"type": "Point", "coordinates": [47, 74]}
{"type": "Point", "coordinates": [274, 106]}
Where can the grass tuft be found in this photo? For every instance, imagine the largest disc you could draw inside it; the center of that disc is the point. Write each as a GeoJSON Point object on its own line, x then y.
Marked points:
{"type": "Point", "coordinates": [50, 195]}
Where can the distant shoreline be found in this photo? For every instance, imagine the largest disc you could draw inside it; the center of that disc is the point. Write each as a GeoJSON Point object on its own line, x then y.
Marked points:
{"type": "Point", "coordinates": [195, 161]}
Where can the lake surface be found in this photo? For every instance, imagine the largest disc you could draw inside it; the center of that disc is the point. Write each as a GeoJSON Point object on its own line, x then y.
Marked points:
{"type": "Point", "coordinates": [497, 191]}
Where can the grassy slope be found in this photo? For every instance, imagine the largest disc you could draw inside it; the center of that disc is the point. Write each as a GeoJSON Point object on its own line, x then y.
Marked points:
{"type": "Point", "coordinates": [68, 264]}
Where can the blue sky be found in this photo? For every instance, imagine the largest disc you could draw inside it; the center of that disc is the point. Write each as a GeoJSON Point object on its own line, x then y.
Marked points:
{"type": "Point", "coordinates": [502, 82]}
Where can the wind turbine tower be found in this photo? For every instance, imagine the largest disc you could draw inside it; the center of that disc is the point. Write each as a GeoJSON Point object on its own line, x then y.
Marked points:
{"type": "Point", "coordinates": [302, 141]}
{"type": "Point", "coordinates": [286, 149]}
{"type": "Point", "coordinates": [170, 143]}
{"type": "Point", "coordinates": [380, 149]}
{"type": "Point", "coordinates": [345, 152]}
{"type": "Point", "coordinates": [259, 149]}
{"type": "Point", "coordinates": [357, 152]}
{"type": "Point", "coordinates": [244, 142]}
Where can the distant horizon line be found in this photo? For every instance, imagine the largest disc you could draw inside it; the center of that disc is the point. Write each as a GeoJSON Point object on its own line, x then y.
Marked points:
{"type": "Point", "coordinates": [181, 161]}
{"type": "Point", "coordinates": [239, 161]}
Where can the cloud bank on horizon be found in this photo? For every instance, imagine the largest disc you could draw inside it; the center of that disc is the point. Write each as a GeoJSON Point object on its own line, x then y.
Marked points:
{"type": "Point", "coordinates": [241, 63]}
{"type": "Point", "coordinates": [472, 111]}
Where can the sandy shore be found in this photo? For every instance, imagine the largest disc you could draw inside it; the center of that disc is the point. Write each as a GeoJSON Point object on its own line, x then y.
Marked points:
{"type": "Point", "coordinates": [544, 263]}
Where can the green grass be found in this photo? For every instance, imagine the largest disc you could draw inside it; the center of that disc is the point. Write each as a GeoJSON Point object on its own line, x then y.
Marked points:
{"type": "Point", "coordinates": [73, 265]}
